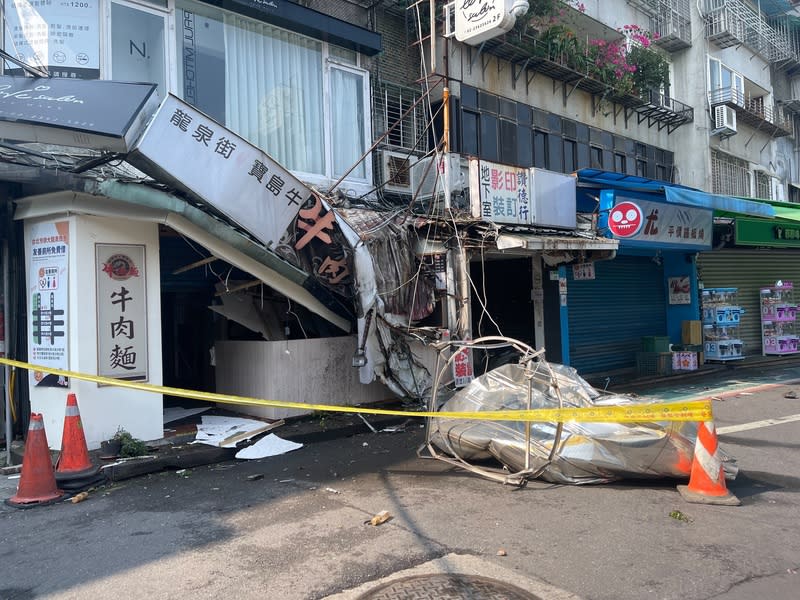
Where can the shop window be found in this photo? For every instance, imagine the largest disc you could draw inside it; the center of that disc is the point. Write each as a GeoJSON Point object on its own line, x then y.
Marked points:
{"type": "Point", "coordinates": [524, 146]}
{"type": "Point", "coordinates": [296, 97]}
{"type": "Point", "coordinates": [619, 162]}
{"type": "Point", "coordinates": [508, 142]}
{"type": "Point", "coordinates": [763, 184]}
{"type": "Point", "coordinates": [570, 156]}
{"type": "Point", "coordinates": [540, 148]}
{"type": "Point", "coordinates": [469, 132]}
{"type": "Point", "coordinates": [138, 44]}
{"type": "Point", "coordinates": [487, 145]}
{"type": "Point", "coordinates": [596, 157]}
{"type": "Point", "coordinates": [729, 175]}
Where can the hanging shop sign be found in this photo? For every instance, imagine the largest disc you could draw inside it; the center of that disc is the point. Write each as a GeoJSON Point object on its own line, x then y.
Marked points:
{"type": "Point", "coordinates": [191, 151]}
{"type": "Point", "coordinates": [759, 232]}
{"type": "Point", "coordinates": [480, 20]}
{"type": "Point", "coordinates": [516, 196]}
{"type": "Point", "coordinates": [643, 222]}
{"type": "Point", "coordinates": [101, 115]}
{"type": "Point", "coordinates": [64, 37]}
{"type": "Point", "coordinates": [121, 311]}
{"type": "Point", "coordinates": [48, 315]}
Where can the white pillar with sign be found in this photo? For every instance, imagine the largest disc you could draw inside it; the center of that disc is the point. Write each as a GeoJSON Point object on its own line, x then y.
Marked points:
{"type": "Point", "coordinates": [93, 306]}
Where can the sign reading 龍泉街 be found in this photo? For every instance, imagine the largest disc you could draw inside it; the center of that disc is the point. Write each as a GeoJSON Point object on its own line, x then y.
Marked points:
{"type": "Point", "coordinates": [62, 36]}
{"type": "Point", "coordinates": [190, 150]}
{"type": "Point", "coordinates": [121, 311]}
{"type": "Point", "coordinates": [48, 314]}
{"type": "Point", "coordinates": [643, 221]}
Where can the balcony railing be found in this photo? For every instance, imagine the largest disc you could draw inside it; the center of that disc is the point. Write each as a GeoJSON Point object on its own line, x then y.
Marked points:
{"type": "Point", "coordinates": [671, 20]}
{"type": "Point", "coordinates": [753, 112]}
{"type": "Point", "coordinates": [527, 57]}
{"type": "Point", "coordinates": [734, 22]}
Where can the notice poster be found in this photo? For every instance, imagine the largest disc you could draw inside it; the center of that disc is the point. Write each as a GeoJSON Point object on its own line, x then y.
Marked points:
{"type": "Point", "coordinates": [680, 290]}
{"type": "Point", "coordinates": [63, 37]}
{"type": "Point", "coordinates": [48, 316]}
{"type": "Point", "coordinates": [121, 311]}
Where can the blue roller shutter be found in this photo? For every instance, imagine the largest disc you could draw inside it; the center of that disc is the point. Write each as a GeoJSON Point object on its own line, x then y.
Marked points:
{"type": "Point", "coordinates": [610, 314]}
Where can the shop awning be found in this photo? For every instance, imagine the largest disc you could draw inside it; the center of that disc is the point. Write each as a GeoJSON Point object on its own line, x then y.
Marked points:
{"type": "Point", "coordinates": [673, 193]}
{"type": "Point", "coordinates": [786, 211]}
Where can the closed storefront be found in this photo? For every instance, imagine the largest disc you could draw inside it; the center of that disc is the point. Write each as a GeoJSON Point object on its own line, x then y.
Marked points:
{"type": "Point", "coordinates": [608, 315]}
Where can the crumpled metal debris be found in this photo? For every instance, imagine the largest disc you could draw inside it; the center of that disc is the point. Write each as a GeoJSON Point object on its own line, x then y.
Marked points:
{"type": "Point", "coordinates": [585, 452]}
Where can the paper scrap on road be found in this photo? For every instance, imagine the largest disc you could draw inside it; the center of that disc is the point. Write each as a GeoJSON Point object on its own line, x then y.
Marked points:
{"type": "Point", "coordinates": [173, 413]}
{"type": "Point", "coordinates": [269, 445]}
{"type": "Point", "coordinates": [226, 432]}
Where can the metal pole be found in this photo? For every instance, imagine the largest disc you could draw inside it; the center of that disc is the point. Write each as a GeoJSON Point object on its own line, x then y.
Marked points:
{"type": "Point", "coordinates": [7, 368]}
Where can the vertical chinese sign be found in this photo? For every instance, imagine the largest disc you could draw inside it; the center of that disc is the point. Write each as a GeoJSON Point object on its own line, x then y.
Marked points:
{"type": "Point", "coordinates": [48, 318]}
{"type": "Point", "coordinates": [503, 193]}
{"type": "Point", "coordinates": [121, 311]}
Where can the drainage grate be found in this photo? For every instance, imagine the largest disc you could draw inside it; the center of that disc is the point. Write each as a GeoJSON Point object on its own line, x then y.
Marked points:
{"type": "Point", "coordinates": [447, 587]}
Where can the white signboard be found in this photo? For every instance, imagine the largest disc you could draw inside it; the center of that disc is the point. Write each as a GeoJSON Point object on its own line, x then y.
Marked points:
{"type": "Point", "coordinates": [656, 222]}
{"type": "Point", "coordinates": [480, 20]}
{"type": "Point", "coordinates": [48, 316]}
{"type": "Point", "coordinates": [500, 193]}
{"type": "Point", "coordinates": [516, 196]}
{"type": "Point", "coordinates": [224, 170]}
{"type": "Point", "coordinates": [582, 271]}
{"type": "Point", "coordinates": [121, 311]}
{"type": "Point", "coordinates": [680, 290]}
{"type": "Point", "coordinates": [63, 36]}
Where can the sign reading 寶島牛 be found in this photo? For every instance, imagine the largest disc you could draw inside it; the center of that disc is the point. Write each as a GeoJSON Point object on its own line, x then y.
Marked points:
{"type": "Point", "coordinates": [190, 150]}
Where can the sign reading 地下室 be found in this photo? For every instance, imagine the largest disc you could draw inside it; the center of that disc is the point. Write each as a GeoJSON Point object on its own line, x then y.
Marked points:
{"type": "Point", "coordinates": [48, 316]}
{"type": "Point", "coordinates": [503, 194]}
{"type": "Point", "coordinates": [190, 150]}
{"type": "Point", "coordinates": [62, 36]}
{"type": "Point", "coordinates": [121, 311]}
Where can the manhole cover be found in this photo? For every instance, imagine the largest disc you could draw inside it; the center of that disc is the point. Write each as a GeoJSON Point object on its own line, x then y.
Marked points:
{"type": "Point", "coordinates": [447, 587]}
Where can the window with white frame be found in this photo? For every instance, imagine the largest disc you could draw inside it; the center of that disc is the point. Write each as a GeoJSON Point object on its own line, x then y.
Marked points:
{"type": "Point", "coordinates": [303, 101]}
{"type": "Point", "coordinates": [724, 84]}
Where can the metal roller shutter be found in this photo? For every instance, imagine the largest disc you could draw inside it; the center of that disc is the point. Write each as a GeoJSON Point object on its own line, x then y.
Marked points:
{"type": "Point", "coordinates": [749, 270]}
{"type": "Point", "coordinates": [610, 314]}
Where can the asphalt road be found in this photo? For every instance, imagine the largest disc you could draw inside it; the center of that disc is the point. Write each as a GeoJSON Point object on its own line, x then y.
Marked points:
{"type": "Point", "coordinates": [293, 526]}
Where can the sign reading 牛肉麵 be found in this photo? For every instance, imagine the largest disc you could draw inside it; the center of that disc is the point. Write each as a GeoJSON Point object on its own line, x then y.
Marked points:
{"type": "Point", "coordinates": [121, 311]}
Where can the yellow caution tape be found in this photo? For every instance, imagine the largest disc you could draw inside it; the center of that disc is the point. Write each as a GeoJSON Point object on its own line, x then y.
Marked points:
{"type": "Point", "coordinates": [694, 410]}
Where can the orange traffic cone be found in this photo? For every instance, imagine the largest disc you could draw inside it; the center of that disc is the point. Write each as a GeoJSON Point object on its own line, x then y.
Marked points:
{"type": "Point", "coordinates": [73, 462]}
{"type": "Point", "coordinates": [37, 484]}
{"type": "Point", "coordinates": [707, 479]}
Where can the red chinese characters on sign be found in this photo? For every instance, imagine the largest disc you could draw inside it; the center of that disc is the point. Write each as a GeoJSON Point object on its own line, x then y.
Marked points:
{"type": "Point", "coordinates": [462, 367]}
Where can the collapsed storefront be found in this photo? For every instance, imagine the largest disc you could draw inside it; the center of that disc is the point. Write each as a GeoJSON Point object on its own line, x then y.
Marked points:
{"type": "Point", "coordinates": [138, 233]}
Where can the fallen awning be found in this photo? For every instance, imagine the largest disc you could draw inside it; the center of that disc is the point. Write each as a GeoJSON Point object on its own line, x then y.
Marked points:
{"type": "Point", "coordinates": [154, 206]}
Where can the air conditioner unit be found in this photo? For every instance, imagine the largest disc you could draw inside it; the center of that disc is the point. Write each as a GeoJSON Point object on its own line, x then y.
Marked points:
{"type": "Point", "coordinates": [427, 175]}
{"type": "Point", "coordinates": [395, 171]}
{"type": "Point", "coordinates": [724, 120]}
